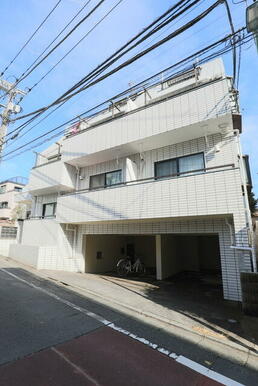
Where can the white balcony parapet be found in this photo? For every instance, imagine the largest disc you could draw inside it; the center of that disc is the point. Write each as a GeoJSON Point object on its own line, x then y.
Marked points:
{"type": "Point", "coordinates": [51, 177]}
{"type": "Point", "coordinates": [190, 194]}
{"type": "Point", "coordinates": [178, 116]}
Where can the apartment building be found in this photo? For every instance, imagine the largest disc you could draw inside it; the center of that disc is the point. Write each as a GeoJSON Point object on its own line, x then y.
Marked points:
{"type": "Point", "coordinates": [8, 191]}
{"type": "Point", "coordinates": [10, 210]}
{"type": "Point", "coordinates": [159, 174]}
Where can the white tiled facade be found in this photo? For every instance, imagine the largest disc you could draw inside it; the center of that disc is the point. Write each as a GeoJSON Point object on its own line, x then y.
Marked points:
{"type": "Point", "coordinates": [193, 116]}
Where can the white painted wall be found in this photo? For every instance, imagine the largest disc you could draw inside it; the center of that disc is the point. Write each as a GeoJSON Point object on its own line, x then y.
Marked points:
{"type": "Point", "coordinates": [109, 245]}
{"type": "Point", "coordinates": [52, 176]}
{"type": "Point", "coordinates": [197, 105]}
{"type": "Point", "coordinates": [5, 245]}
{"type": "Point", "coordinates": [26, 254]}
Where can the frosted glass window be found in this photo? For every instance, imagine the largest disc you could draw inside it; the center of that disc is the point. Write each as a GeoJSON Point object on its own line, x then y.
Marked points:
{"type": "Point", "coordinates": [179, 165]}
{"type": "Point", "coordinates": [191, 162]}
{"type": "Point", "coordinates": [166, 168]}
{"type": "Point", "coordinates": [114, 178]}
{"type": "Point", "coordinates": [106, 179]}
{"type": "Point", "coordinates": [97, 181]}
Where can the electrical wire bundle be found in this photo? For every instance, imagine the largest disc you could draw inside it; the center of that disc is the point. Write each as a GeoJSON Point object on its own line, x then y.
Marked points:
{"type": "Point", "coordinates": [103, 70]}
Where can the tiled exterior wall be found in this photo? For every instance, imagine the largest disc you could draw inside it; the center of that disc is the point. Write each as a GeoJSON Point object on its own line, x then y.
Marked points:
{"type": "Point", "coordinates": [206, 102]}
{"type": "Point", "coordinates": [145, 168]}
{"type": "Point", "coordinates": [38, 201]}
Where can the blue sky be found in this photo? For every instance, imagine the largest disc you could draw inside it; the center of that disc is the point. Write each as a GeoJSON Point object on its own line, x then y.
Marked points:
{"type": "Point", "coordinates": [20, 18]}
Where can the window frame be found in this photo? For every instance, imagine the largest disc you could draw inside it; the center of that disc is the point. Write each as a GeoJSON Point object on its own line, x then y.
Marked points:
{"type": "Point", "coordinates": [3, 189]}
{"type": "Point", "coordinates": [44, 209]}
{"type": "Point", "coordinates": [178, 173]}
{"type": "Point", "coordinates": [5, 206]}
{"type": "Point", "coordinates": [105, 179]}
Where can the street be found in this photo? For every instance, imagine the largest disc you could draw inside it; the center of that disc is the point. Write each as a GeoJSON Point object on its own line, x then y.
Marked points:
{"type": "Point", "coordinates": [52, 336]}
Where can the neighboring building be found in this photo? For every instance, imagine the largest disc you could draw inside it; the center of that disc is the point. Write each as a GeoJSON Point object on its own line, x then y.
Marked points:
{"type": "Point", "coordinates": [159, 173]}
{"type": "Point", "coordinates": [8, 191]}
{"type": "Point", "coordinates": [10, 210]}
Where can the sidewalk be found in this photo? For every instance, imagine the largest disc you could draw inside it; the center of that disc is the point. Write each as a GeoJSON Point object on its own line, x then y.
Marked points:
{"type": "Point", "coordinates": [217, 325]}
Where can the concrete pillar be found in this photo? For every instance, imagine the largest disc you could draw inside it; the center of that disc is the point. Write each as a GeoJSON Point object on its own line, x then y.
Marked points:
{"type": "Point", "coordinates": [158, 258]}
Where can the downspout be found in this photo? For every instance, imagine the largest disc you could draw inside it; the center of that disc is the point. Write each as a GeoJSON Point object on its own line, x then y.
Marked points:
{"type": "Point", "coordinates": [246, 203]}
{"type": "Point", "coordinates": [77, 177]}
{"type": "Point", "coordinates": [231, 232]}
{"type": "Point", "coordinates": [74, 230]}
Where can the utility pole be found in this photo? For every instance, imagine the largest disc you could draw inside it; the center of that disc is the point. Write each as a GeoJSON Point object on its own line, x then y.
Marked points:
{"type": "Point", "coordinates": [9, 108]}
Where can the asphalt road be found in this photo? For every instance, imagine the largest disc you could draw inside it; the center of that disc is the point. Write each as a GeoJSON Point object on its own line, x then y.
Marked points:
{"type": "Point", "coordinates": [52, 336]}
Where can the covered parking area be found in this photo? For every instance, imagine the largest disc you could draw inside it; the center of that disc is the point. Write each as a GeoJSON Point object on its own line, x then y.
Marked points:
{"type": "Point", "coordinates": [182, 258]}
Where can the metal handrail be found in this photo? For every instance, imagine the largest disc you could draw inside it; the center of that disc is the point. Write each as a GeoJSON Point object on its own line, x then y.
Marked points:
{"type": "Point", "coordinates": [142, 180]}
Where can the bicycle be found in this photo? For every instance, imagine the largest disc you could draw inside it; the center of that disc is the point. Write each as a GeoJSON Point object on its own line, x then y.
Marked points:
{"type": "Point", "coordinates": [125, 266]}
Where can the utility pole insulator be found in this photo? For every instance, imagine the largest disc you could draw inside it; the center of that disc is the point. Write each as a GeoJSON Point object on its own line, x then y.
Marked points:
{"type": "Point", "coordinates": [8, 108]}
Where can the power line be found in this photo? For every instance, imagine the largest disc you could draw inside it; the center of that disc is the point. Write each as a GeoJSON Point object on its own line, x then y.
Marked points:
{"type": "Point", "coordinates": [191, 57]}
{"type": "Point", "coordinates": [60, 42]}
{"type": "Point", "coordinates": [60, 33]}
{"type": "Point", "coordinates": [80, 41]}
{"type": "Point", "coordinates": [30, 38]}
{"type": "Point", "coordinates": [66, 95]}
{"type": "Point", "coordinates": [178, 4]}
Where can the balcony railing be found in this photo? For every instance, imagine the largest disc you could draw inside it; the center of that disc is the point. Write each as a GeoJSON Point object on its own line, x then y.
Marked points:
{"type": "Point", "coordinates": [201, 192]}
{"type": "Point", "coordinates": [151, 179]}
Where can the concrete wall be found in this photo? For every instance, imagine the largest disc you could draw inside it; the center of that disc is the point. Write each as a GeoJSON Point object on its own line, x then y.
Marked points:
{"type": "Point", "coordinates": [109, 245]}
{"type": "Point", "coordinates": [5, 245]}
{"type": "Point", "coordinates": [40, 232]}
{"type": "Point", "coordinates": [209, 254]}
{"type": "Point", "coordinates": [145, 248]}
{"type": "Point", "coordinates": [26, 254]}
{"type": "Point", "coordinates": [189, 253]}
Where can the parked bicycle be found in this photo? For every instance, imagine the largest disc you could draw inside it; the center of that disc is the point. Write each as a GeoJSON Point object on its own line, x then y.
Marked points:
{"type": "Point", "coordinates": [126, 266]}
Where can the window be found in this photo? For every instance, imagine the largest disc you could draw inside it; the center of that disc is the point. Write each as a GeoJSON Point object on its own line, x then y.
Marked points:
{"type": "Point", "coordinates": [97, 181]}
{"type": "Point", "coordinates": [9, 232]}
{"type": "Point", "coordinates": [3, 204]}
{"type": "Point", "coordinates": [166, 168]}
{"type": "Point", "coordinates": [106, 179]}
{"type": "Point", "coordinates": [49, 209]}
{"type": "Point", "coordinates": [17, 189]}
{"type": "Point", "coordinates": [3, 189]}
{"type": "Point", "coordinates": [113, 178]}
{"type": "Point", "coordinates": [179, 165]}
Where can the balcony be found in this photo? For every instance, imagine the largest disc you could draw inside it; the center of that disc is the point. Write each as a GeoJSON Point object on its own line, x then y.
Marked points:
{"type": "Point", "coordinates": [202, 109]}
{"type": "Point", "coordinates": [211, 191]}
{"type": "Point", "coordinates": [51, 177]}
{"type": "Point", "coordinates": [5, 213]}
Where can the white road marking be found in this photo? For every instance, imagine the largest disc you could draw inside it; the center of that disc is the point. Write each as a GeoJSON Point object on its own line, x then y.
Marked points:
{"type": "Point", "coordinates": [179, 358]}
{"type": "Point", "coordinates": [77, 368]}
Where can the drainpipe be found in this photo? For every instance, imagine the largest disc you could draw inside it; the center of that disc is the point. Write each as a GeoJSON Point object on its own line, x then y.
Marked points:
{"type": "Point", "coordinates": [246, 202]}
{"type": "Point", "coordinates": [77, 177]}
{"type": "Point", "coordinates": [74, 230]}
{"type": "Point", "coordinates": [230, 231]}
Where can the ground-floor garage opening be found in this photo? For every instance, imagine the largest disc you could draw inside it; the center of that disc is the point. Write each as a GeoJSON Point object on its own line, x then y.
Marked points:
{"type": "Point", "coordinates": [186, 259]}
{"type": "Point", "coordinates": [102, 252]}
{"type": "Point", "coordinates": [191, 261]}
